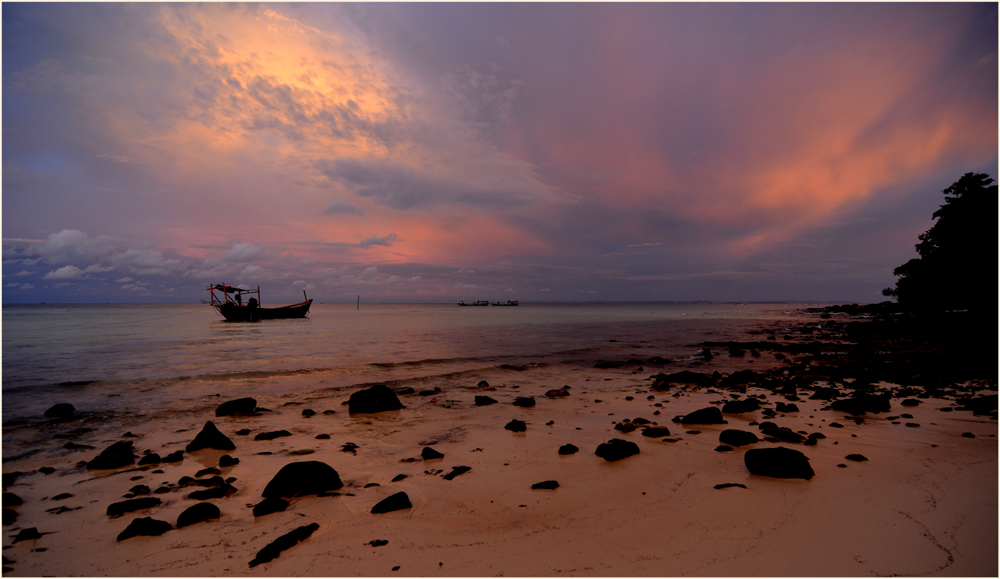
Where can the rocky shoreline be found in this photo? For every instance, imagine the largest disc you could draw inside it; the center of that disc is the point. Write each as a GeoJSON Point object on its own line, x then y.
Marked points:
{"type": "Point", "coordinates": [385, 479]}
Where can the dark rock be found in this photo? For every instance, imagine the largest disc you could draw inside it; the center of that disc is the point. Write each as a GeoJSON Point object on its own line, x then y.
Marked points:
{"type": "Point", "coordinates": [455, 471]}
{"type": "Point", "coordinates": [524, 401]}
{"type": "Point", "coordinates": [568, 449]}
{"type": "Point", "coordinates": [912, 425]}
{"type": "Point", "coordinates": [12, 500]}
{"type": "Point", "coordinates": [910, 402]}
{"type": "Point", "coordinates": [286, 541]}
{"type": "Point", "coordinates": [836, 425]}
{"type": "Point", "coordinates": [546, 485]}
{"type": "Point", "coordinates": [151, 458]}
{"type": "Point", "coordinates": [308, 412]}
{"type": "Point", "coordinates": [139, 490]}
{"type": "Point", "coordinates": [735, 351]}
{"type": "Point", "coordinates": [723, 448]}
{"type": "Point", "coordinates": [322, 437]}
{"type": "Point", "coordinates": [378, 398]}
{"type": "Point", "coordinates": [61, 410]}
{"type": "Point", "coordinates": [117, 509]}
{"type": "Point", "coordinates": [210, 437]}
{"type": "Point", "coordinates": [349, 447]}
{"type": "Point", "coordinates": [243, 432]}
{"type": "Point", "coordinates": [625, 427]}
{"type": "Point", "coordinates": [666, 381]}
{"type": "Point", "coordinates": [212, 493]}
{"type": "Point", "coordinates": [29, 534]}
{"type": "Point", "coordinates": [372, 485]}
{"type": "Point", "coordinates": [429, 453]}
{"type": "Point", "coordinates": [396, 502]}
{"type": "Point", "coordinates": [782, 407]}
{"type": "Point", "coordinates": [430, 392]}
{"type": "Point", "coordinates": [377, 543]}
{"type": "Point", "coordinates": [655, 431]}
{"type": "Point", "coordinates": [779, 462]}
{"type": "Point", "coordinates": [271, 435]}
{"type": "Point", "coordinates": [268, 506]}
{"type": "Point", "coordinates": [398, 478]}
{"type": "Point", "coordinates": [61, 496]}
{"type": "Point", "coordinates": [516, 426]}
{"type": "Point", "coordinates": [785, 434]}
{"type": "Point", "coordinates": [858, 405]}
{"type": "Point", "coordinates": [483, 384]}
{"type": "Point", "coordinates": [238, 407]}
{"type": "Point", "coordinates": [484, 401]}
{"type": "Point", "coordinates": [825, 393]}
{"type": "Point", "coordinates": [557, 393]}
{"type": "Point", "coordinates": [616, 449]}
{"type": "Point", "coordinates": [734, 437]}
{"type": "Point", "coordinates": [730, 485]}
{"type": "Point", "coordinates": [401, 392]}
{"type": "Point", "coordinates": [198, 513]}
{"type": "Point", "coordinates": [175, 456]}
{"type": "Point", "coordinates": [117, 455]}
{"type": "Point", "coordinates": [226, 460]}
{"type": "Point", "coordinates": [209, 470]}
{"type": "Point", "coordinates": [9, 516]}
{"type": "Point", "coordinates": [710, 415]}
{"type": "Point", "coordinates": [640, 421]}
{"type": "Point", "coordinates": [741, 406]}
{"type": "Point", "coordinates": [857, 457]}
{"type": "Point", "coordinates": [968, 435]}
{"type": "Point", "coordinates": [302, 478]}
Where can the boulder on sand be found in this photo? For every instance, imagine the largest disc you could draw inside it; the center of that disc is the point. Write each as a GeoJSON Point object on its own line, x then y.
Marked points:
{"type": "Point", "coordinates": [429, 453]}
{"type": "Point", "coordinates": [734, 437]}
{"type": "Point", "coordinates": [655, 431]}
{"type": "Point", "coordinates": [396, 502]}
{"type": "Point", "coordinates": [61, 410]}
{"type": "Point", "coordinates": [117, 455]}
{"type": "Point", "coordinates": [616, 449]}
{"type": "Point", "coordinates": [144, 526]}
{"type": "Point", "coordinates": [484, 401]}
{"type": "Point", "coordinates": [268, 506]}
{"type": "Point", "coordinates": [516, 426]}
{"type": "Point", "coordinates": [120, 508]}
{"type": "Point", "coordinates": [710, 415]}
{"type": "Point", "coordinates": [302, 478]}
{"type": "Point", "coordinates": [378, 398]}
{"type": "Point", "coordinates": [210, 437]}
{"type": "Point", "coordinates": [238, 407]}
{"type": "Point", "coordinates": [779, 462]}
{"type": "Point", "coordinates": [568, 449]}
{"type": "Point", "coordinates": [198, 513]}
{"type": "Point", "coordinates": [286, 541]}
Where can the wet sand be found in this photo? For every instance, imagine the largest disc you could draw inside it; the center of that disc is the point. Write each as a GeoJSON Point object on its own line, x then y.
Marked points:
{"type": "Point", "coordinates": [924, 503]}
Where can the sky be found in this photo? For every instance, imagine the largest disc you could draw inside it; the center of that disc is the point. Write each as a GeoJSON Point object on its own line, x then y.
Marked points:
{"type": "Point", "coordinates": [544, 152]}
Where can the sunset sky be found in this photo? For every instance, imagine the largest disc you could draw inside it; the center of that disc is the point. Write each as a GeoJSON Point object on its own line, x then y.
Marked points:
{"type": "Point", "coordinates": [437, 152]}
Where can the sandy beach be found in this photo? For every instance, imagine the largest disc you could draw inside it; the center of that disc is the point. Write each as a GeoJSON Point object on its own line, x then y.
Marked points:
{"type": "Point", "coordinates": [924, 502]}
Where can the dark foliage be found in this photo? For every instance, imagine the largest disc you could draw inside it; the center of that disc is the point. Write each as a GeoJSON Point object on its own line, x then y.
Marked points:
{"type": "Point", "coordinates": [957, 267]}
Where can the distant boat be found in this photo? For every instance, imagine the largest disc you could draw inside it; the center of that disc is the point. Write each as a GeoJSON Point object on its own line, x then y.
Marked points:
{"type": "Point", "coordinates": [509, 303]}
{"type": "Point", "coordinates": [477, 303]}
{"type": "Point", "coordinates": [231, 305]}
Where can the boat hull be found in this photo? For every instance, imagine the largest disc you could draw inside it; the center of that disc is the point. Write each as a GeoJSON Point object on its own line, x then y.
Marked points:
{"type": "Point", "coordinates": [237, 313]}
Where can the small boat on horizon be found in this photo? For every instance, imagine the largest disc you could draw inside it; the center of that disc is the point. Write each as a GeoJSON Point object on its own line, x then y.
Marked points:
{"type": "Point", "coordinates": [230, 305]}
{"type": "Point", "coordinates": [509, 303]}
{"type": "Point", "coordinates": [477, 303]}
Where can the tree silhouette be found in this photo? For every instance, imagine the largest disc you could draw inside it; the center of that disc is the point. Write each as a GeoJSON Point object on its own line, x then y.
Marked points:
{"type": "Point", "coordinates": [957, 267]}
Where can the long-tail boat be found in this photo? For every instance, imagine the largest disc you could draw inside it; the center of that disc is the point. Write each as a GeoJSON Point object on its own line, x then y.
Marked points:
{"type": "Point", "coordinates": [231, 306]}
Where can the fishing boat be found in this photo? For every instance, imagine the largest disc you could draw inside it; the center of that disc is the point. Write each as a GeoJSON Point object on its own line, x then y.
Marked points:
{"type": "Point", "coordinates": [509, 303]}
{"type": "Point", "coordinates": [231, 306]}
{"type": "Point", "coordinates": [478, 303]}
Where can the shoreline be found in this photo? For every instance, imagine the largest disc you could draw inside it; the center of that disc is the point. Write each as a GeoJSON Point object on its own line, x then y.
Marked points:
{"type": "Point", "coordinates": [923, 503]}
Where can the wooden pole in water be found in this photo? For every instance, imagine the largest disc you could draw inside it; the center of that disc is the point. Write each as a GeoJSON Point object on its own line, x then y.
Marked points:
{"type": "Point", "coordinates": [359, 303]}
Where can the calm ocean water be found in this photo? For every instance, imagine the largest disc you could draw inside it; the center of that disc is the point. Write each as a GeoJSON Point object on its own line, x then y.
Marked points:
{"type": "Point", "coordinates": [97, 353]}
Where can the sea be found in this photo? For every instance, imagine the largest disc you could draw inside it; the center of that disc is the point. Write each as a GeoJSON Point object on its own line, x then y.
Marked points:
{"type": "Point", "coordinates": [118, 358]}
